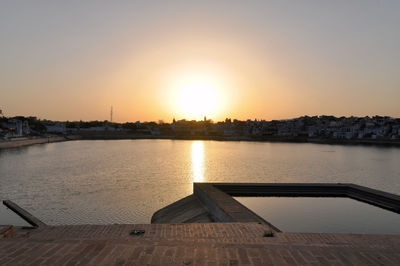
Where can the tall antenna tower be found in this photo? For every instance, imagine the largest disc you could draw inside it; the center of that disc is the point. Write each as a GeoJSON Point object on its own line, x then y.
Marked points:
{"type": "Point", "coordinates": [111, 113]}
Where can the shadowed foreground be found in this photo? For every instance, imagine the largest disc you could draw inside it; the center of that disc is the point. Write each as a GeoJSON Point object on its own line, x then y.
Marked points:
{"type": "Point", "coordinates": [192, 244]}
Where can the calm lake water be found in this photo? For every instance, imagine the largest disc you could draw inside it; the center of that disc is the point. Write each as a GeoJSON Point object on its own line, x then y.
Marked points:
{"type": "Point", "coordinates": [323, 215]}
{"type": "Point", "coordinates": [126, 181]}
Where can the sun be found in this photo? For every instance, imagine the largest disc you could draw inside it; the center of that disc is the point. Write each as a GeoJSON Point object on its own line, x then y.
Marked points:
{"type": "Point", "coordinates": [198, 98]}
{"type": "Point", "coordinates": [193, 91]}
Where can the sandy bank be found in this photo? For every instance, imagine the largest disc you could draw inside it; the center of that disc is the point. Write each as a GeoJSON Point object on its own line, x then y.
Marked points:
{"type": "Point", "coordinates": [30, 141]}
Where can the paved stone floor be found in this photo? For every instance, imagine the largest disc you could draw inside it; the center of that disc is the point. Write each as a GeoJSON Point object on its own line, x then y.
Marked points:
{"type": "Point", "coordinates": [192, 244]}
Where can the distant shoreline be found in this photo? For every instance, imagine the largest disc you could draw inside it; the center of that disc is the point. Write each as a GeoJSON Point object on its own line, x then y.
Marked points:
{"type": "Point", "coordinates": [378, 142]}
{"type": "Point", "coordinates": [51, 139]}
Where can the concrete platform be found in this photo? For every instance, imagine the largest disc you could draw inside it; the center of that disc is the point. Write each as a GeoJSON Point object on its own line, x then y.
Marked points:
{"type": "Point", "coordinates": [192, 244]}
{"type": "Point", "coordinates": [186, 210]}
{"type": "Point", "coordinates": [206, 228]}
{"type": "Point", "coordinates": [213, 202]}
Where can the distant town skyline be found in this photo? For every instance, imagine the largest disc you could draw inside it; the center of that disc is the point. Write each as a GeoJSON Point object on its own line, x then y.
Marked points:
{"type": "Point", "coordinates": [377, 129]}
{"type": "Point", "coordinates": [161, 60]}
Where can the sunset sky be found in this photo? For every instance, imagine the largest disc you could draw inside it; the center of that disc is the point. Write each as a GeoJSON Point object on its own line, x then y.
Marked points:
{"type": "Point", "coordinates": [151, 60]}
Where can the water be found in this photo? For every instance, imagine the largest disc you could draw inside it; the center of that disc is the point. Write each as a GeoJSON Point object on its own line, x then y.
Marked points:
{"type": "Point", "coordinates": [8, 217]}
{"type": "Point", "coordinates": [323, 215]}
{"type": "Point", "coordinates": [126, 181]}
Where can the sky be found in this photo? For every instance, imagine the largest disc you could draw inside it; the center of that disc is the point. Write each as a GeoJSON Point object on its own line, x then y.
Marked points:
{"type": "Point", "coordinates": [156, 60]}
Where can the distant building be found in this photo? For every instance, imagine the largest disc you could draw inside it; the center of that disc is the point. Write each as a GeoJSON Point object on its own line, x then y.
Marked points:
{"type": "Point", "coordinates": [16, 127]}
{"type": "Point", "coordinates": [155, 131]}
{"type": "Point", "coordinates": [58, 127]}
{"type": "Point", "coordinates": [229, 132]}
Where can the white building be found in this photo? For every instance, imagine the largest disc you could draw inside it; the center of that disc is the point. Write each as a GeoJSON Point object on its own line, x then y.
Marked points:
{"type": "Point", "coordinates": [17, 127]}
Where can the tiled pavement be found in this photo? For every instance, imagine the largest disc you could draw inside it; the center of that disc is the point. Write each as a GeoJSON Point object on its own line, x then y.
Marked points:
{"type": "Point", "coordinates": [193, 244]}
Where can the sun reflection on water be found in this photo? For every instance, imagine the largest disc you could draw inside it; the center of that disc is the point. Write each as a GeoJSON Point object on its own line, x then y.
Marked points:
{"type": "Point", "coordinates": [198, 161]}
